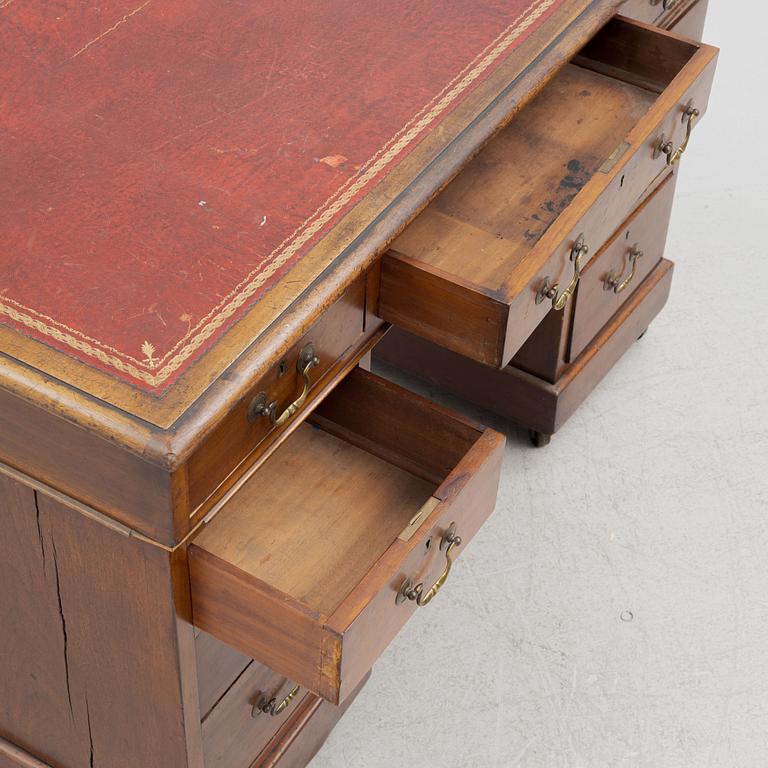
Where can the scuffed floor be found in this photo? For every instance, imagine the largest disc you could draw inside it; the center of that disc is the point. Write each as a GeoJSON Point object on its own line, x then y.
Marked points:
{"type": "Point", "coordinates": [614, 610]}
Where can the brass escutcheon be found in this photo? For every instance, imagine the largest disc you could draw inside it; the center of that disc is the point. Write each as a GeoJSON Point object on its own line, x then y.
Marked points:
{"type": "Point", "coordinates": [409, 591]}
{"type": "Point", "coordinates": [259, 406]}
{"type": "Point", "coordinates": [271, 706]}
{"type": "Point", "coordinates": [666, 147]}
{"type": "Point", "coordinates": [549, 291]}
{"type": "Point", "coordinates": [613, 282]}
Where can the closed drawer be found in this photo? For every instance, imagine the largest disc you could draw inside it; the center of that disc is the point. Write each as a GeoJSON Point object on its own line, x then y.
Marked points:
{"type": "Point", "coordinates": [238, 728]}
{"type": "Point", "coordinates": [618, 269]}
{"type": "Point", "coordinates": [685, 17]}
{"type": "Point", "coordinates": [478, 270]}
{"type": "Point", "coordinates": [237, 439]}
{"type": "Point", "coordinates": [319, 559]}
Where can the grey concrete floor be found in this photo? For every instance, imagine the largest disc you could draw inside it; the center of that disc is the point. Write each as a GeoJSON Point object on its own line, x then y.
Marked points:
{"type": "Point", "coordinates": [614, 609]}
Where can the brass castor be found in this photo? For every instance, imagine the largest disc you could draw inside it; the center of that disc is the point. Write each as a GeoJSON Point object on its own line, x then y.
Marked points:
{"type": "Point", "coordinates": [538, 439]}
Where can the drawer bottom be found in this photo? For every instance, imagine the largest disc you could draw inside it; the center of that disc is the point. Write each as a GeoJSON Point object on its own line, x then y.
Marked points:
{"type": "Point", "coordinates": [539, 405]}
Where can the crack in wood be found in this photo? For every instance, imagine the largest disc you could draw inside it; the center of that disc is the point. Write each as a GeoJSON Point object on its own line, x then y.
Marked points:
{"type": "Point", "coordinates": [63, 626]}
{"type": "Point", "coordinates": [90, 731]}
{"type": "Point", "coordinates": [39, 528]}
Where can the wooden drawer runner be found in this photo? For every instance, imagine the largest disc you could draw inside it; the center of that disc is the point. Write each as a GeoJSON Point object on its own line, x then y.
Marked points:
{"type": "Point", "coordinates": [302, 568]}
{"type": "Point", "coordinates": [618, 269]}
{"type": "Point", "coordinates": [238, 436]}
{"type": "Point", "coordinates": [471, 271]}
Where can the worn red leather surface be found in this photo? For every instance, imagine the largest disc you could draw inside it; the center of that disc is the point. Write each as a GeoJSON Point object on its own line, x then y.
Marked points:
{"type": "Point", "coordinates": [164, 162]}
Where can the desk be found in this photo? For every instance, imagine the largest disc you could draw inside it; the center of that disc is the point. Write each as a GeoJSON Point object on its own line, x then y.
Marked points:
{"type": "Point", "coordinates": [215, 519]}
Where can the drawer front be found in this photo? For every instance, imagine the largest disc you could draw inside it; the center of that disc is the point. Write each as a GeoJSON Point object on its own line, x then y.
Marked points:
{"type": "Point", "coordinates": [503, 244]}
{"type": "Point", "coordinates": [618, 269]}
{"type": "Point", "coordinates": [688, 20]}
{"type": "Point", "coordinates": [239, 435]}
{"type": "Point", "coordinates": [237, 729]}
{"type": "Point", "coordinates": [299, 740]}
{"type": "Point", "coordinates": [303, 567]}
{"type": "Point", "coordinates": [685, 17]}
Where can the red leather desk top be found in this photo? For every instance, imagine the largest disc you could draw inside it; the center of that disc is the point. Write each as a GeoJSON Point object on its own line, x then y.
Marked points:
{"type": "Point", "coordinates": [164, 163]}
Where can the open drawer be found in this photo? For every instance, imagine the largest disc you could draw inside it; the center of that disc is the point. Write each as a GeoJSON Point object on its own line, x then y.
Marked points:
{"type": "Point", "coordinates": [314, 565]}
{"type": "Point", "coordinates": [505, 242]}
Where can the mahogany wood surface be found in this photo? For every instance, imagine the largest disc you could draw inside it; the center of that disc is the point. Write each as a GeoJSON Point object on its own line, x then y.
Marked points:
{"type": "Point", "coordinates": [645, 230]}
{"type": "Point", "coordinates": [236, 437]}
{"type": "Point", "coordinates": [311, 528]}
{"type": "Point", "coordinates": [292, 573]}
{"type": "Point", "coordinates": [686, 17]}
{"type": "Point", "coordinates": [218, 666]}
{"type": "Point", "coordinates": [13, 757]}
{"type": "Point", "coordinates": [520, 396]}
{"type": "Point", "coordinates": [299, 740]}
{"type": "Point", "coordinates": [232, 736]}
{"type": "Point", "coordinates": [96, 661]}
{"type": "Point", "coordinates": [466, 273]}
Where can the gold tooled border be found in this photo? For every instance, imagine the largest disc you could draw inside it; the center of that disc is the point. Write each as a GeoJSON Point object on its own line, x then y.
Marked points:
{"type": "Point", "coordinates": [234, 301]}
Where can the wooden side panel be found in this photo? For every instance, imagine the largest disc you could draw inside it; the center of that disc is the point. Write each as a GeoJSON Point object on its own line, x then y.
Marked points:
{"type": "Point", "coordinates": [91, 469]}
{"type": "Point", "coordinates": [543, 354]}
{"type": "Point", "coordinates": [95, 667]}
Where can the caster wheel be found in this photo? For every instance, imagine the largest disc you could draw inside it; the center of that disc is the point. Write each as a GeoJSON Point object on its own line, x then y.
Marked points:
{"type": "Point", "coordinates": [538, 439]}
{"type": "Point", "coordinates": [642, 334]}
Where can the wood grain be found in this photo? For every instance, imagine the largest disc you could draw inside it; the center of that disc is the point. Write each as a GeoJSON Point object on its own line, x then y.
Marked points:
{"type": "Point", "coordinates": [88, 613]}
{"type": "Point", "coordinates": [236, 437]}
{"type": "Point", "coordinates": [518, 395]}
{"type": "Point", "coordinates": [13, 757]}
{"type": "Point", "coordinates": [231, 735]}
{"type": "Point", "coordinates": [294, 745]}
{"type": "Point", "coordinates": [317, 526]}
{"type": "Point", "coordinates": [218, 666]}
{"type": "Point", "coordinates": [646, 229]}
{"type": "Point", "coordinates": [504, 225]}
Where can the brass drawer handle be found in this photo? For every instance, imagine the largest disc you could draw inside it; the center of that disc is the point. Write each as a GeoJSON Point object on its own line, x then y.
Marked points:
{"type": "Point", "coordinates": [259, 406]}
{"type": "Point", "coordinates": [408, 591]}
{"type": "Point", "coordinates": [665, 145]}
{"type": "Point", "coordinates": [613, 282]}
{"type": "Point", "coordinates": [667, 5]}
{"type": "Point", "coordinates": [271, 706]}
{"type": "Point", "coordinates": [578, 251]}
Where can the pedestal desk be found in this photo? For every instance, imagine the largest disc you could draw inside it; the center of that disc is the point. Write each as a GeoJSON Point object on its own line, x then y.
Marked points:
{"type": "Point", "coordinates": [214, 518]}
